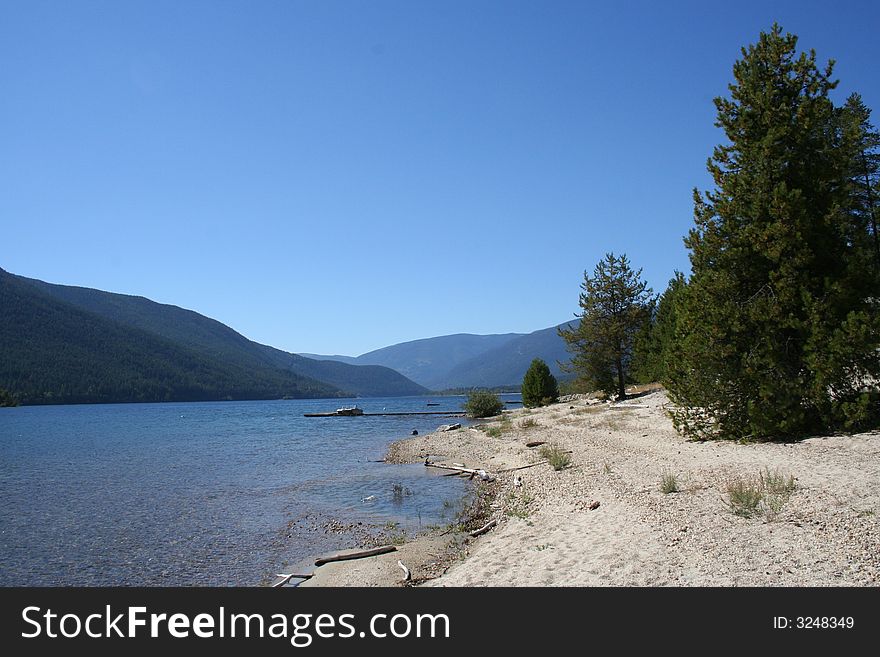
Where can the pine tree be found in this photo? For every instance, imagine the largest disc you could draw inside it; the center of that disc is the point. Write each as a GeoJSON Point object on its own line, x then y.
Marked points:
{"type": "Point", "coordinates": [653, 345]}
{"type": "Point", "coordinates": [777, 332]}
{"type": "Point", "coordinates": [614, 303]}
{"type": "Point", "coordinates": [539, 386]}
{"type": "Point", "coordinates": [862, 140]}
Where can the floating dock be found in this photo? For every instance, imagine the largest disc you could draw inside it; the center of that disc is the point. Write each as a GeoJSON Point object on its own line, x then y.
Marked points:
{"type": "Point", "coordinates": [335, 414]}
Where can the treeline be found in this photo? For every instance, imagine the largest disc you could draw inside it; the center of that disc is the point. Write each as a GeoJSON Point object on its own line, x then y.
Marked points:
{"type": "Point", "coordinates": [776, 332]}
{"type": "Point", "coordinates": [7, 399]}
{"type": "Point", "coordinates": [53, 352]}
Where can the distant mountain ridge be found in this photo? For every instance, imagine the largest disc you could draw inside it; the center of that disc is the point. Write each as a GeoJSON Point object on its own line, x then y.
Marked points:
{"type": "Point", "coordinates": [426, 361]}
{"type": "Point", "coordinates": [116, 347]}
{"type": "Point", "coordinates": [469, 361]}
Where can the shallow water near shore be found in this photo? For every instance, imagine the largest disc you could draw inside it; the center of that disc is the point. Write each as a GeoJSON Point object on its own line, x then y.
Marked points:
{"type": "Point", "coordinates": [204, 493]}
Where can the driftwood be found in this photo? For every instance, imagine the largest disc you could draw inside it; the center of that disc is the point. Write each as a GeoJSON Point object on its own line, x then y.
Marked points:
{"type": "Point", "coordinates": [523, 467]}
{"type": "Point", "coordinates": [482, 530]}
{"type": "Point", "coordinates": [407, 576]}
{"type": "Point", "coordinates": [357, 555]}
{"type": "Point", "coordinates": [536, 443]}
{"type": "Point", "coordinates": [482, 474]}
{"type": "Point", "coordinates": [286, 578]}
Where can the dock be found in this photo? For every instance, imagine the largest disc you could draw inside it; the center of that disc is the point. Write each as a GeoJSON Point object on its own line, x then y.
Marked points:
{"type": "Point", "coordinates": [334, 414]}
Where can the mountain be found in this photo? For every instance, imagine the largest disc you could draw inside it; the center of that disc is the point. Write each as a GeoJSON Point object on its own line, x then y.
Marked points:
{"type": "Point", "coordinates": [468, 361]}
{"type": "Point", "coordinates": [54, 352]}
{"type": "Point", "coordinates": [428, 361]}
{"type": "Point", "coordinates": [115, 347]}
{"type": "Point", "coordinates": [507, 364]}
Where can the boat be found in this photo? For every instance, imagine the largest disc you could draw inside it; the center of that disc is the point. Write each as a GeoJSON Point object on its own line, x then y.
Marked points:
{"type": "Point", "coordinates": [349, 410]}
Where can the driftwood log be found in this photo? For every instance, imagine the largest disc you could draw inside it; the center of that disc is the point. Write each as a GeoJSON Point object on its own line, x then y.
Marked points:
{"type": "Point", "coordinates": [482, 530]}
{"type": "Point", "coordinates": [523, 467]}
{"type": "Point", "coordinates": [407, 576]}
{"type": "Point", "coordinates": [286, 578]}
{"type": "Point", "coordinates": [357, 555]}
{"type": "Point", "coordinates": [535, 443]}
{"type": "Point", "coordinates": [482, 474]}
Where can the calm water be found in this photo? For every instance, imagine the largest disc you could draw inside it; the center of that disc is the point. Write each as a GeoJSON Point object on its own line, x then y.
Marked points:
{"type": "Point", "coordinates": [201, 493]}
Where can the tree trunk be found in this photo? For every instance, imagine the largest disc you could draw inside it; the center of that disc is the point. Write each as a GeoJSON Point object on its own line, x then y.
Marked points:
{"type": "Point", "coordinates": [621, 386]}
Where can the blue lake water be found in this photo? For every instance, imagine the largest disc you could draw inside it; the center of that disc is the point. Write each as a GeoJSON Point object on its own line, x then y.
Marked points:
{"type": "Point", "coordinates": [202, 493]}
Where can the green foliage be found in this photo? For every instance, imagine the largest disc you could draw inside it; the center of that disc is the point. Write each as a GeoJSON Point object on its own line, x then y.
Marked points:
{"type": "Point", "coordinates": [777, 330]}
{"type": "Point", "coordinates": [482, 403]}
{"type": "Point", "coordinates": [494, 432]}
{"type": "Point", "coordinates": [557, 458]}
{"type": "Point", "coordinates": [528, 423]}
{"type": "Point", "coordinates": [574, 387]}
{"type": "Point", "coordinates": [744, 496]}
{"type": "Point", "coordinates": [7, 399]}
{"type": "Point", "coordinates": [862, 140]}
{"type": "Point", "coordinates": [539, 386]}
{"type": "Point", "coordinates": [766, 493]}
{"type": "Point", "coordinates": [668, 483]}
{"type": "Point", "coordinates": [615, 304]}
{"type": "Point", "coordinates": [653, 350]}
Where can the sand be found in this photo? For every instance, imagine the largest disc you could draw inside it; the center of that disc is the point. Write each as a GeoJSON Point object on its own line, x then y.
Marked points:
{"type": "Point", "coordinates": [825, 532]}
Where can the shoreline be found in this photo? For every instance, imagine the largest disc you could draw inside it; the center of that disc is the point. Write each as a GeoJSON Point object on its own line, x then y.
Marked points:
{"type": "Point", "coordinates": [823, 531]}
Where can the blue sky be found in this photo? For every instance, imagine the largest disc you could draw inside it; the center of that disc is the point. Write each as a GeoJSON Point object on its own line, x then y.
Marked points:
{"type": "Point", "coordinates": [334, 177]}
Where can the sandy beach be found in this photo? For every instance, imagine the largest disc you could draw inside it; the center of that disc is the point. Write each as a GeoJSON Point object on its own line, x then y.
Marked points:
{"type": "Point", "coordinates": [822, 531]}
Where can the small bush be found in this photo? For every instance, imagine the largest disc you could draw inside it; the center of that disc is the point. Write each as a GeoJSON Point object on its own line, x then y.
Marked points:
{"type": "Point", "coordinates": [744, 496]}
{"type": "Point", "coordinates": [776, 483]}
{"type": "Point", "coordinates": [494, 432]}
{"type": "Point", "coordinates": [482, 403]}
{"type": "Point", "coordinates": [539, 387]}
{"type": "Point", "coordinates": [669, 484]}
{"type": "Point", "coordinates": [528, 423]}
{"type": "Point", "coordinates": [557, 458]}
{"type": "Point", "coordinates": [767, 494]}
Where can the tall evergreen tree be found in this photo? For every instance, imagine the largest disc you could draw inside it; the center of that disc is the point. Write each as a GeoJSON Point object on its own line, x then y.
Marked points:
{"type": "Point", "coordinates": [615, 303]}
{"type": "Point", "coordinates": [539, 386]}
{"type": "Point", "coordinates": [654, 343]}
{"type": "Point", "coordinates": [862, 140]}
{"type": "Point", "coordinates": [777, 330]}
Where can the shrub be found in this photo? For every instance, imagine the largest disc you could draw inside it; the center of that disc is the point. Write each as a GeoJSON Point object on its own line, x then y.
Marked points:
{"type": "Point", "coordinates": [528, 423]}
{"type": "Point", "coordinates": [767, 493]}
{"type": "Point", "coordinates": [744, 496]}
{"type": "Point", "coordinates": [557, 458]}
{"type": "Point", "coordinates": [668, 483]}
{"type": "Point", "coordinates": [482, 403]}
{"type": "Point", "coordinates": [539, 387]}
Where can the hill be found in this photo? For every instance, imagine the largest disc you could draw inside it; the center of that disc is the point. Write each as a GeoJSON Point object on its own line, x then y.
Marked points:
{"type": "Point", "coordinates": [228, 364]}
{"type": "Point", "coordinates": [507, 364]}
{"type": "Point", "coordinates": [466, 361]}
{"type": "Point", "coordinates": [427, 361]}
{"type": "Point", "coordinates": [54, 352]}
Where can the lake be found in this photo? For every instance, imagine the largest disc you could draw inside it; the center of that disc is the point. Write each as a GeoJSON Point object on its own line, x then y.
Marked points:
{"type": "Point", "coordinates": [223, 493]}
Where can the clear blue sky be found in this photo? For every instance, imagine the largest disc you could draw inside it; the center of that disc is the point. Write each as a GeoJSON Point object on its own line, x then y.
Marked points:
{"type": "Point", "coordinates": [335, 177]}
